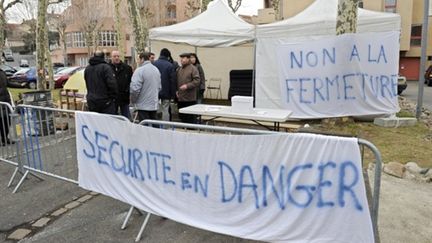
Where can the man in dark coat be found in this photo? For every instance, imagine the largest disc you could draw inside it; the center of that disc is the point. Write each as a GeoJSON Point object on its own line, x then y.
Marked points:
{"type": "Point", "coordinates": [4, 111]}
{"type": "Point", "coordinates": [101, 85]}
{"type": "Point", "coordinates": [123, 74]}
{"type": "Point", "coordinates": [169, 81]}
{"type": "Point", "coordinates": [188, 81]}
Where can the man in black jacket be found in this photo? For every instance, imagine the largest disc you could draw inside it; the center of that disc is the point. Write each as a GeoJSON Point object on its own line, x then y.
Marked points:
{"type": "Point", "coordinates": [101, 85]}
{"type": "Point", "coordinates": [169, 82]}
{"type": "Point", "coordinates": [4, 111]}
{"type": "Point", "coordinates": [123, 74]}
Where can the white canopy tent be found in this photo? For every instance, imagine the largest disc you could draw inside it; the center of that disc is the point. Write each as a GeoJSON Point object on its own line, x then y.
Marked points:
{"type": "Point", "coordinates": [222, 40]}
{"type": "Point", "coordinates": [218, 26]}
{"type": "Point", "coordinates": [315, 22]}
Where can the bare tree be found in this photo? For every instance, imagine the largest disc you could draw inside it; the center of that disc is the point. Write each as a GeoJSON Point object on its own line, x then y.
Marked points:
{"type": "Point", "coordinates": [139, 26]}
{"type": "Point", "coordinates": [26, 11]}
{"type": "Point", "coordinates": [90, 23]}
{"type": "Point", "coordinates": [347, 17]}
{"type": "Point", "coordinates": [234, 6]}
{"type": "Point", "coordinates": [276, 7]}
{"type": "Point", "coordinates": [204, 5]}
{"type": "Point", "coordinates": [193, 8]}
{"type": "Point", "coordinates": [42, 50]}
{"type": "Point", "coordinates": [118, 28]}
{"type": "Point", "coordinates": [41, 44]}
{"type": "Point", "coordinates": [3, 8]}
{"type": "Point", "coordinates": [60, 22]}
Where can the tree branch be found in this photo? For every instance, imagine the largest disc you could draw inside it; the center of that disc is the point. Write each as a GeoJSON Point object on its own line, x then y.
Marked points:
{"type": "Point", "coordinates": [55, 2]}
{"type": "Point", "coordinates": [11, 4]}
{"type": "Point", "coordinates": [237, 5]}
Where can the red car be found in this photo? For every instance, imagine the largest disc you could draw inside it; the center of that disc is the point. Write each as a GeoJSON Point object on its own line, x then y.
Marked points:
{"type": "Point", "coordinates": [63, 75]}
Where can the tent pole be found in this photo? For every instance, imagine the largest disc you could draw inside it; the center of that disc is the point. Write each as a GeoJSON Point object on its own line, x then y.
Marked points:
{"type": "Point", "coordinates": [254, 66]}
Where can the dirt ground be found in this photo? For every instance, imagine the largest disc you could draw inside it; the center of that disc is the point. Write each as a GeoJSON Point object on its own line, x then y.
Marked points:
{"type": "Point", "coordinates": [405, 212]}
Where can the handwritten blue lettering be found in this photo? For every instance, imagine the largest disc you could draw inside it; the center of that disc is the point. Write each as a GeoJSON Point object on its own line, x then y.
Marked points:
{"type": "Point", "coordinates": [101, 149]}
{"type": "Point", "coordinates": [344, 187]}
{"type": "Point", "coordinates": [93, 155]}
{"type": "Point", "coordinates": [324, 183]}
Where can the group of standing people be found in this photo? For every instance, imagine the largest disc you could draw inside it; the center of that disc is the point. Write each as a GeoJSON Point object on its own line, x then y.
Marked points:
{"type": "Point", "coordinates": [113, 86]}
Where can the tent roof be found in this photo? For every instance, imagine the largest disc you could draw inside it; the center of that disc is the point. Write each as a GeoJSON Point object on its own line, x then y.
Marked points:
{"type": "Point", "coordinates": [320, 19]}
{"type": "Point", "coordinates": [218, 26]}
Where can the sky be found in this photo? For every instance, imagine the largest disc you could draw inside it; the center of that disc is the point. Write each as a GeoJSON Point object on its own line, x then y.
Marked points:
{"type": "Point", "coordinates": [248, 7]}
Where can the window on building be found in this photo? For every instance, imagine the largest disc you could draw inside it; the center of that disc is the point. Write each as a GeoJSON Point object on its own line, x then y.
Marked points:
{"type": "Point", "coordinates": [416, 34]}
{"type": "Point", "coordinates": [83, 61]}
{"type": "Point", "coordinates": [267, 4]}
{"type": "Point", "coordinates": [171, 12]}
{"type": "Point", "coordinates": [390, 6]}
{"type": "Point", "coordinates": [68, 40]}
{"type": "Point", "coordinates": [108, 38]}
{"type": "Point", "coordinates": [78, 39]}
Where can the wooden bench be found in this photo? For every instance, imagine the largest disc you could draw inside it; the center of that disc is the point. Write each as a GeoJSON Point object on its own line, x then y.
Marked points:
{"type": "Point", "coordinates": [71, 100]}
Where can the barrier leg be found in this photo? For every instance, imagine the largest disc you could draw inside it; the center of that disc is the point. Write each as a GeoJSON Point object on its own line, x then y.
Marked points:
{"type": "Point", "coordinates": [27, 172]}
{"type": "Point", "coordinates": [13, 177]}
{"type": "Point", "coordinates": [21, 181]}
{"type": "Point", "coordinates": [127, 218]}
{"type": "Point", "coordinates": [138, 238]}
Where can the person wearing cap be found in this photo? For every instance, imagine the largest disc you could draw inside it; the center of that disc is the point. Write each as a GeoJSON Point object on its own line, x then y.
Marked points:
{"type": "Point", "coordinates": [101, 85]}
{"type": "Point", "coordinates": [169, 81]}
{"type": "Point", "coordinates": [188, 81]}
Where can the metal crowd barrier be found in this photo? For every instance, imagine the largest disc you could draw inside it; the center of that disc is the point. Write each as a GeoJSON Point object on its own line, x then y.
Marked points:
{"type": "Point", "coordinates": [8, 145]}
{"type": "Point", "coordinates": [42, 141]}
{"type": "Point", "coordinates": [46, 144]}
{"type": "Point", "coordinates": [238, 131]}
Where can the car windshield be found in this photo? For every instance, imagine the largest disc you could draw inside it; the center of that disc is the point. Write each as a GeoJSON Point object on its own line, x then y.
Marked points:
{"type": "Point", "coordinates": [24, 70]}
{"type": "Point", "coordinates": [66, 70]}
{"type": "Point", "coordinates": [6, 67]}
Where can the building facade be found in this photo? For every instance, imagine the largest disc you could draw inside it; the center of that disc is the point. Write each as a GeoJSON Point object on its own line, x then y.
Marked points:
{"type": "Point", "coordinates": [90, 25]}
{"type": "Point", "coordinates": [411, 12]}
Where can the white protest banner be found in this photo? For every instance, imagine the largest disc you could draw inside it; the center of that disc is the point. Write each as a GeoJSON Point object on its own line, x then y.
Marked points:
{"type": "Point", "coordinates": [347, 75]}
{"type": "Point", "coordinates": [276, 188]}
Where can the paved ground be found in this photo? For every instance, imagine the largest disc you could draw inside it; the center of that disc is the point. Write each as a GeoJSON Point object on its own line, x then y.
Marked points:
{"type": "Point", "coordinates": [411, 93]}
{"type": "Point", "coordinates": [97, 220]}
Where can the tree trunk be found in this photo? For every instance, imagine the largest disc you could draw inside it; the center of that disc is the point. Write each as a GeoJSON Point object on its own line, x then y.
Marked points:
{"type": "Point", "coordinates": [41, 44]}
{"type": "Point", "coordinates": [49, 62]}
{"type": "Point", "coordinates": [204, 5]}
{"type": "Point", "coordinates": [65, 57]}
{"type": "Point", "coordinates": [276, 7]}
{"type": "Point", "coordinates": [139, 26]}
{"type": "Point", "coordinates": [2, 33]}
{"type": "Point", "coordinates": [118, 27]}
{"type": "Point", "coordinates": [347, 17]}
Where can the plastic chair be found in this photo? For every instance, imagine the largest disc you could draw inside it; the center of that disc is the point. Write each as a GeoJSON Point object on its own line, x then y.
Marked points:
{"type": "Point", "coordinates": [214, 85]}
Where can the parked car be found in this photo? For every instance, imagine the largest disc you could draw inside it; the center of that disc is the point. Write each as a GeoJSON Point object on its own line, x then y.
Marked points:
{"type": "Point", "coordinates": [26, 77]}
{"type": "Point", "coordinates": [428, 76]}
{"type": "Point", "coordinates": [402, 84]}
{"type": "Point", "coordinates": [8, 55]}
{"type": "Point", "coordinates": [62, 76]}
{"type": "Point", "coordinates": [57, 66]}
{"type": "Point", "coordinates": [24, 63]}
{"type": "Point", "coordinates": [9, 70]}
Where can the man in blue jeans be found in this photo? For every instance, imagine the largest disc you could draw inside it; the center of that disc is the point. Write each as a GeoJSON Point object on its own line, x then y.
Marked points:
{"type": "Point", "coordinates": [123, 74]}
{"type": "Point", "coordinates": [145, 87]}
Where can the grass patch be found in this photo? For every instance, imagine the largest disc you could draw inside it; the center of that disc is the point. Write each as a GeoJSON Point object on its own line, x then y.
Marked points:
{"type": "Point", "coordinates": [405, 113]}
{"type": "Point", "coordinates": [402, 144]}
